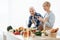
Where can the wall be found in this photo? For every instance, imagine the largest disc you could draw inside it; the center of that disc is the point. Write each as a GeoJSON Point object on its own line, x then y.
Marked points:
{"type": "Point", "coordinates": [16, 12]}
{"type": "Point", "coordinates": [19, 10]}
{"type": "Point", "coordinates": [3, 14]}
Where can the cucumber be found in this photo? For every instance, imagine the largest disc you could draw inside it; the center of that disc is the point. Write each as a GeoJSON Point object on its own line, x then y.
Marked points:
{"type": "Point", "coordinates": [38, 33]}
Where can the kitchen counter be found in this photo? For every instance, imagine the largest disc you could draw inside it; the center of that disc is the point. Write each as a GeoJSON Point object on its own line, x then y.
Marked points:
{"type": "Point", "coordinates": [44, 38]}
{"type": "Point", "coordinates": [10, 36]}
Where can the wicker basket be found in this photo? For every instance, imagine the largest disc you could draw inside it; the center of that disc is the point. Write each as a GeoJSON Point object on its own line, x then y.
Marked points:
{"type": "Point", "coordinates": [52, 35]}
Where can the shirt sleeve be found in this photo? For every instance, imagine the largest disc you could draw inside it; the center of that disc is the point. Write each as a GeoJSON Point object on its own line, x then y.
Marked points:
{"type": "Point", "coordinates": [51, 21]}
{"type": "Point", "coordinates": [39, 22]}
{"type": "Point", "coordinates": [47, 24]}
{"type": "Point", "coordinates": [29, 23]}
{"type": "Point", "coordinates": [40, 15]}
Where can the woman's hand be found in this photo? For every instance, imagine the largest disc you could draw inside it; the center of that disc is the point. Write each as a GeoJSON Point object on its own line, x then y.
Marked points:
{"type": "Point", "coordinates": [43, 20]}
{"type": "Point", "coordinates": [40, 19]}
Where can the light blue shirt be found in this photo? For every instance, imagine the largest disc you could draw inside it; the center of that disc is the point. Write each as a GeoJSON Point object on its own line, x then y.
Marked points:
{"type": "Point", "coordinates": [51, 19]}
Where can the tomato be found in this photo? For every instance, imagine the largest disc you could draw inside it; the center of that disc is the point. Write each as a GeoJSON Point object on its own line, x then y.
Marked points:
{"type": "Point", "coordinates": [17, 33]}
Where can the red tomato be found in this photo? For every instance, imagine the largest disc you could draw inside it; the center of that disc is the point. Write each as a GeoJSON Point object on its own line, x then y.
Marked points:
{"type": "Point", "coordinates": [17, 33]}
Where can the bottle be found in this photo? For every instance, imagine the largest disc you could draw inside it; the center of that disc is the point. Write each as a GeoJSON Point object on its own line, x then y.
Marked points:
{"type": "Point", "coordinates": [43, 35]}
